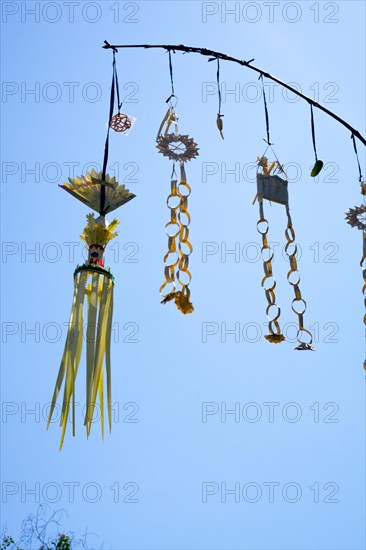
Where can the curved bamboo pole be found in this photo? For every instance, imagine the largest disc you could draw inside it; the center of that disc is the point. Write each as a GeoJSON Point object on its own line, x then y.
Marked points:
{"type": "Point", "coordinates": [217, 55]}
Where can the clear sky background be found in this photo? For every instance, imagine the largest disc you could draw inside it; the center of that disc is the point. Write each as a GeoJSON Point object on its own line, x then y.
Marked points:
{"type": "Point", "coordinates": [293, 453]}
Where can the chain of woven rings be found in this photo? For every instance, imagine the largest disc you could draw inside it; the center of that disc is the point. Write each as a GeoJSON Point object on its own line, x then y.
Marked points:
{"type": "Point", "coordinates": [298, 303]}
{"type": "Point", "coordinates": [177, 257]}
{"type": "Point", "coordinates": [185, 247]}
{"type": "Point", "coordinates": [172, 231]}
{"type": "Point", "coordinates": [268, 282]}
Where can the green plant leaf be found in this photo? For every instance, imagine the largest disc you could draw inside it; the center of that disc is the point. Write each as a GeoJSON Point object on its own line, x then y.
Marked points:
{"type": "Point", "coordinates": [317, 168]}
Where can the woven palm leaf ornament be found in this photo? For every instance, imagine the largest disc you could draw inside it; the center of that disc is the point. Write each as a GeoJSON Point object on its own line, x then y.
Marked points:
{"type": "Point", "coordinates": [179, 148]}
{"type": "Point", "coordinates": [219, 122]}
{"type": "Point", "coordinates": [272, 185]}
{"type": "Point", "coordinates": [93, 291]}
{"type": "Point", "coordinates": [92, 303]}
{"type": "Point", "coordinates": [356, 217]}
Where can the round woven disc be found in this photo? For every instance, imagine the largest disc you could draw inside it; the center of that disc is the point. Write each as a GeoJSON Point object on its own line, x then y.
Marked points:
{"type": "Point", "coordinates": [177, 147]}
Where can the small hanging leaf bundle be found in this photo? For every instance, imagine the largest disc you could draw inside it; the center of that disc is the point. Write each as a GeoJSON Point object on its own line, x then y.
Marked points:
{"type": "Point", "coordinates": [318, 166]}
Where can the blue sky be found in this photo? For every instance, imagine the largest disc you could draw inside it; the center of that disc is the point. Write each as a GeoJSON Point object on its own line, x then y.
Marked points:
{"type": "Point", "coordinates": [292, 453]}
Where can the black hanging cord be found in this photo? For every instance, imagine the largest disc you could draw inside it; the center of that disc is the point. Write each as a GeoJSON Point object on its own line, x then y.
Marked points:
{"type": "Point", "coordinates": [218, 86]}
{"type": "Point", "coordinates": [171, 77]}
{"type": "Point", "coordinates": [268, 141]}
{"type": "Point", "coordinates": [116, 82]}
{"type": "Point", "coordinates": [360, 178]}
{"type": "Point", "coordinates": [106, 146]}
{"type": "Point", "coordinates": [313, 132]}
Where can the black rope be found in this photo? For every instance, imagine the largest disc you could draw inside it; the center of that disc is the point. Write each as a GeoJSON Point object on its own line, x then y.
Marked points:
{"type": "Point", "coordinates": [313, 132]}
{"type": "Point", "coordinates": [265, 111]}
{"type": "Point", "coordinates": [360, 178]}
{"type": "Point", "coordinates": [218, 86]}
{"type": "Point", "coordinates": [106, 146]}
{"type": "Point", "coordinates": [171, 77]}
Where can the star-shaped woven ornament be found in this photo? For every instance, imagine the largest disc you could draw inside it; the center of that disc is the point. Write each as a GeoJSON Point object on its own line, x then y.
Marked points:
{"type": "Point", "coordinates": [356, 217]}
{"type": "Point", "coordinates": [177, 147]}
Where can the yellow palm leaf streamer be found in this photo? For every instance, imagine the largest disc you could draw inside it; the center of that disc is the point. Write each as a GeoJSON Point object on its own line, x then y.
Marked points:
{"type": "Point", "coordinates": [93, 289]}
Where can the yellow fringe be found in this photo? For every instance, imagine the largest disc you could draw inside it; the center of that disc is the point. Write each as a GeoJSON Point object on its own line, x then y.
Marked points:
{"type": "Point", "coordinates": [98, 336]}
